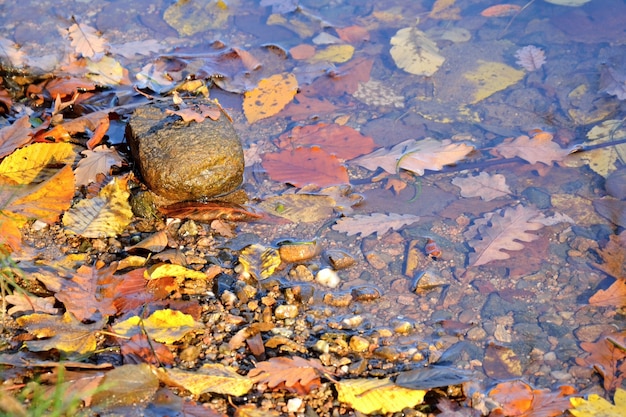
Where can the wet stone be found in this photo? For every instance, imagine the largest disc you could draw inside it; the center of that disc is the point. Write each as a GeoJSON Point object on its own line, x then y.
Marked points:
{"type": "Point", "coordinates": [185, 160]}
{"type": "Point", "coordinates": [538, 197]}
{"type": "Point", "coordinates": [427, 280]}
{"type": "Point", "coordinates": [359, 344]}
{"type": "Point", "coordinates": [338, 259]}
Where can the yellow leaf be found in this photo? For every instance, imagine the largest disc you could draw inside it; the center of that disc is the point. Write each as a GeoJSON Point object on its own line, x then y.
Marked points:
{"type": "Point", "coordinates": [259, 261]}
{"type": "Point", "coordinates": [191, 17]}
{"type": "Point", "coordinates": [602, 160]}
{"type": "Point", "coordinates": [271, 96]}
{"type": "Point", "coordinates": [597, 406]}
{"type": "Point", "coordinates": [28, 164]}
{"type": "Point", "coordinates": [415, 53]}
{"type": "Point", "coordinates": [108, 214]}
{"type": "Point", "coordinates": [171, 270]}
{"type": "Point", "coordinates": [165, 326]}
{"type": "Point", "coordinates": [215, 378]}
{"type": "Point", "coordinates": [491, 77]}
{"type": "Point", "coordinates": [377, 395]}
{"type": "Point", "coordinates": [334, 53]}
{"type": "Point", "coordinates": [106, 71]}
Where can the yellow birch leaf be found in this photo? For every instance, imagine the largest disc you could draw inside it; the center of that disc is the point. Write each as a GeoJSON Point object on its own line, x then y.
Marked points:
{"type": "Point", "coordinates": [106, 215]}
{"type": "Point", "coordinates": [165, 326]}
{"type": "Point", "coordinates": [491, 77]}
{"type": "Point", "coordinates": [171, 270]}
{"type": "Point", "coordinates": [270, 97]}
{"type": "Point", "coordinates": [602, 160]}
{"type": "Point", "coordinates": [415, 53]}
{"type": "Point", "coordinates": [215, 378]}
{"type": "Point", "coordinates": [28, 164]}
{"type": "Point", "coordinates": [334, 53]}
{"type": "Point", "coordinates": [377, 395]}
{"type": "Point", "coordinates": [597, 406]}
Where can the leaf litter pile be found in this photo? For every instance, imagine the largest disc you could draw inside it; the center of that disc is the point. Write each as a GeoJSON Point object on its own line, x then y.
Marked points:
{"type": "Point", "coordinates": [436, 205]}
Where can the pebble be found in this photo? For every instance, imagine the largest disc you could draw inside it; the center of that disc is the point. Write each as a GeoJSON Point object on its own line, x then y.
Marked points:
{"type": "Point", "coordinates": [403, 327]}
{"type": "Point", "coordinates": [365, 293]}
{"type": "Point", "coordinates": [294, 404]}
{"type": "Point", "coordinates": [359, 343]}
{"type": "Point", "coordinates": [338, 300]}
{"type": "Point", "coordinates": [328, 278]}
{"type": "Point", "coordinates": [476, 333]}
{"type": "Point", "coordinates": [387, 352]}
{"type": "Point", "coordinates": [338, 259]}
{"type": "Point", "coordinates": [286, 311]}
{"type": "Point", "coordinates": [427, 280]}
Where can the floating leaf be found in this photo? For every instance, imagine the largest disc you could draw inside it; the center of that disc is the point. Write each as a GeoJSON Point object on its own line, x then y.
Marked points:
{"type": "Point", "coordinates": [304, 166]}
{"type": "Point", "coordinates": [443, 9]}
{"type": "Point", "coordinates": [98, 161]}
{"type": "Point", "coordinates": [166, 326]}
{"type": "Point", "coordinates": [503, 230]}
{"type": "Point", "coordinates": [333, 53]}
{"type": "Point", "coordinates": [377, 395]}
{"type": "Point", "coordinates": [530, 57]}
{"type": "Point", "coordinates": [106, 71]}
{"type": "Point", "coordinates": [595, 405]}
{"type": "Point", "coordinates": [415, 53]}
{"type": "Point", "coordinates": [108, 214]}
{"type": "Point", "coordinates": [570, 3]}
{"type": "Point", "coordinates": [269, 97]}
{"type": "Point", "coordinates": [211, 377]}
{"type": "Point", "coordinates": [483, 185]}
{"type": "Point", "coordinates": [191, 18]}
{"type": "Point", "coordinates": [378, 223]}
{"type": "Point", "coordinates": [533, 150]}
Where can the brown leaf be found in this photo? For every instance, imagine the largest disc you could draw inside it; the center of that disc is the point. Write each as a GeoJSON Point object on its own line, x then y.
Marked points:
{"type": "Point", "coordinates": [519, 399]}
{"type": "Point", "coordinates": [98, 161]}
{"type": "Point", "coordinates": [294, 374]}
{"type": "Point", "coordinates": [483, 185]}
{"type": "Point", "coordinates": [612, 209]}
{"type": "Point", "coordinates": [342, 141]}
{"type": "Point", "coordinates": [138, 349]}
{"type": "Point", "coordinates": [501, 362]}
{"type": "Point", "coordinates": [207, 212]}
{"type": "Point", "coordinates": [501, 230]}
{"type": "Point", "coordinates": [538, 149]}
{"type": "Point", "coordinates": [606, 358]}
{"type": "Point", "coordinates": [304, 166]}
{"type": "Point", "coordinates": [86, 40]}
{"type": "Point", "coordinates": [614, 256]}
{"type": "Point", "coordinates": [530, 57]}
{"type": "Point", "coordinates": [345, 79]}
{"type": "Point", "coordinates": [378, 223]}
{"type": "Point", "coordinates": [614, 296]}
{"type": "Point", "coordinates": [14, 136]}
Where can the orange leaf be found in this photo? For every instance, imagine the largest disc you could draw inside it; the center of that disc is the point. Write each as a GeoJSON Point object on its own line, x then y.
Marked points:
{"type": "Point", "coordinates": [302, 51]}
{"type": "Point", "coordinates": [342, 141]}
{"type": "Point", "coordinates": [516, 397]}
{"type": "Point", "coordinates": [270, 97]}
{"type": "Point", "coordinates": [501, 10]}
{"type": "Point", "coordinates": [294, 374]}
{"type": "Point", "coordinates": [303, 107]}
{"type": "Point", "coordinates": [353, 34]}
{"type": "Point", "coordinates": [207, 212]}
{"type": "Point", "coordinates": [98, 134]}
{"type": "Point", "coordinates": [303, 166]}
{"type": "Point", "coordinates": [606, 358]}
{"type": "Point", "coordinates": [614, 296]}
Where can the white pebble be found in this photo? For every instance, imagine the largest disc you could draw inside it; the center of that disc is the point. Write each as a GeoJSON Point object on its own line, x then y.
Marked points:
{"type": "Point", "coordinates": [294, 404]}
{"type": "Point", "coordinates": [327, 277]}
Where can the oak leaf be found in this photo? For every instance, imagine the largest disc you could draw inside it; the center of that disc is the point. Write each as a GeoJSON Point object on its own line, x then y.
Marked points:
{"type": "Point", "coordinates": [107, 214]}
{"type": "Point", "coordinates": [371, 396]}
{"type": "Point", "coordinates": [534, 150]}
{"type": "Point", "coordinates": [519, 399]}
{"type": "Point", "coordinates": [503, 230]}
{"type": "Point", "coordinates": [98, 161]}
{"type": "Point", "coordinates": [606, 356]}
{"type": "Point", "coordinates": [595, 405]}
{"type": "Point", "coordinates": [269, 97]}
{"type": "Point", "coordinates": [614, 296]}
{"type": "Point", "coordinates": [483, 185]}
{"type": "Point", "coordinates": [614, 256]}
{"type": "Point", "coordinates": [304, 166]}
{"type": "Point", "coordinates": [294, 374]}
{"type": "Point", "coordinates": [530, 57]}
{"type": "Point", "coordinates": [378, 223]}
{"type": "Point", "coordinates": [86, 40]}
{"type": "Point", "coordinates": [342, 141]}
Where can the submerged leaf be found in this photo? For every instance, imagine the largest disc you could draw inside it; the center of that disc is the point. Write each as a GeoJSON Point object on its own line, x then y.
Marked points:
{"type": "Point", "coordinates": [269, 97]}
{"type": "Point", "coordinates": [530, 57]}
{"type": "Point", "coordinates": [377, 395]}
{"type": "Point", "coordinates": [483, 185]}
{"type": "Point", "coordinates": [415, 53]}
{"type": "Point", "coordinates": [303, 166]}
{"type": "Point", "coordinates": [378, 223]}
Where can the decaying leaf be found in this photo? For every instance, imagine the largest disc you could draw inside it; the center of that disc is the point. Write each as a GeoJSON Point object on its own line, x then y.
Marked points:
{"type": "Point", "coordinates": [595, 405]}
{"type": "Point", "coordinates": [333, 53]}
{"type": "Point", "coordinates": [98, 161]}
{"type": "Point", "coordinates": [432, 377]}
{"type": "Point", "coordinates": [107, 71]}
{"type": "Point", "coordinates": [603, 160]}
{"type": "Point", "coordinates": [614, 256]}
{"type": "Point", "coordinates": [12, 52]}
{"type": "Point", "coordinates": [530, 57]}
{"type": "Point", "coordinates": [519, 399]}
{"type": "Point", "coordinates": [483, 185]}
{"type": "Point", "coordinates": [501, 10]}
{"type": "Point", "coordinates": [378, 223]}
{"type": "Point", "coordinates": [126, 386]}
{"type": "Point", "coordinates": [490, 77]}
{"type": "Point", "coordinates": [445, 10]}
{"type": "Point", "coordinates": [209, 211]}
{"type": "Point", "coordinates": [503, 230]}
{"type": "Point", "coordinates": [377, 395]}
{"type": "Point", "coordinates": [86, 40]}
{"type": "Point", "coordinates": [304, 166]}
{"type": "Point", "coordinates": [415, 53]}
{"type": "Point", "coordinates": [501, 362]}
{"type": "Point", "coordinates": [22, 303]}
{"type": "Point", "coordinates": [108, 214]}
{"type": "Point", "coordinates": [540, 149]}
{"type": "Point", "coordinates": [269, 97]}
{"type": "Point", "coordinates": [293, 374]}
{"type": "Point", "coordinates": [166, 326]}
{"type": "Point", "coordinates": [14, 136]}
{"type": "Point", "coordinates": [258, 261]}
{"type": "Point", "coordinates": [306, 208]}
{"type": "Point", "coordinates": [211, 377]}
{"type": "Point", "coordinates": [36, 162]}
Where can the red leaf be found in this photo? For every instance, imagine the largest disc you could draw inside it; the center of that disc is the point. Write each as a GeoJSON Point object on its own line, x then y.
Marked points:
{"type": "Point", "coordinates": [501, 10]}
{"type": "Point", "coordinates": [342, 141]}
{"type": "Point", "coordinates": [303, 166]}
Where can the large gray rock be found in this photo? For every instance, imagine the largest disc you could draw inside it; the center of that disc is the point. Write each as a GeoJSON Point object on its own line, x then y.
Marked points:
{"type": "Point", "coordinates": [185, 160]}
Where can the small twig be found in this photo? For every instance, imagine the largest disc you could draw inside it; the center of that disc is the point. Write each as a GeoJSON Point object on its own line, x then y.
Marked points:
{"type": "Point", "coordinates": [514, 17]}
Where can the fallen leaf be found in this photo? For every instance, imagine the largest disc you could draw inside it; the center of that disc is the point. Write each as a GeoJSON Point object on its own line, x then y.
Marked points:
{"type": "Point", "coordinates": [22, 303]}
{"type": "Point", "coordinates": [15, 135]}
{"type": "Point", "coordinates": [614, 296]}
{"type": "Point", "coordinates": [614, 256]}
{"type": "Point", "coordinates": [486, 186]}
{"type": "Point", "coordinates": [259, 261]}
{"type": "Point", "coordinates": [36, 162]}
{"type": "Point", "coordinates": [14, 54]}
{"type": "Point", "coordinates": [126, 386]}
{"type": "Point", "coordinates": [108, 214]}
{"type": "Point", "coordinates": [269, 97]}
{"type": "Point", "coordinates": [595, 405]}
{"type": "Point", "coordinates": [612, 209]}
{"type": "Point", "coordinates": [162, 270]}
{"type": "Point", "coordinates": [209, 211]}
{"type": "Point", "coordinates": [371, 396]}
{"type": "Point", "coordinates": [353, 34]}
{"type": "Point", "coordinates": [302, 51]}
{"type": "Point", "coordinates": [491, 77]}
{"type": "Point", "coordinates": [519, 399]}
{"type": "Point", "coordinates": [378, 223]}
{"type": "Point", "coordinates": [612, 82]}
{"type": "Point", "coordinates": [107, 72]}
{"type": "Point", "coordinates": [530, 57]}
{"type": "Point", "coordinates": [293, 374]}
{"type": "Point", "coordinates": [533, 150]}
{"type": "Point", "coordinates": [98, 161]}
{"type": "Point", "coordinates": [444, 10]}
{"type": "Point", "coordinates": [305, 208]}
{"type": "Point", "coordinates": [86, 40]}
{"type": "Point", "coordinates": [603, 160]}
{"type": "Point", "coordinates": [501, 362]}
{"type": "Point", "coordinates": [333, 53]}
{"type": "Point", "coordinates": [139, 349]}
{"type": "Point", "coordinates": [501, 10]}
{"type": "Point", "coordinates": [432, 377]}
{"type": "Point", "coordinates": [503, 230]}
{"type": "Point", "coordinates": [304, 166]}
{"type": "Point", "coordinates": [211, 377]}
{"type": "Point", "coordinates": [341, 141]}
{"type": "Point", "coordinates": [606, 356]}
{"type": "Point", "coordinates": [166, 326]}
{"type": "Point", "coordinates": [415, 53]}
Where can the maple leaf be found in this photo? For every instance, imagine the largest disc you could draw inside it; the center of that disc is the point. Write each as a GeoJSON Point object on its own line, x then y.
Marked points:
{"type": "Point", "coordinates": [98, 161]}
{"type": "Point", "coordinates": [501, 231]}
{"type": "Point", "coordinates": [530, 57]}
{"type": "Point", "coordinates": [534, 150]}
{"type": "Point", "coordinates": [14, 136]}
{"type": "Point", "coordinates": [86, 40]}
{"type": "Point", "coordinates": [342, 141]}
{"type": "Point", "coordinates": [304, 166]}
{"type": "Point", "coordinates": [483, 185]}
{"type": "Point", "coordinates": [64, 333]}
{"type": "Point", "coordinates": [378, 223]}
{"type": "Point", "coordinates": [88, 294]}
{"type": "Point", "coordinates": [415, 156]}
{"type": "Point", "coordinates": [294, 374]}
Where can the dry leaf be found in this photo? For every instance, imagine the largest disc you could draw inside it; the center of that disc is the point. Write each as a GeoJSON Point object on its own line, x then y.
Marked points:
{"type": "Point", "coordinates": [483, 185]}
{"type": "Point", "coordinates": [14, 136]}
{"type": "Point", "coordinates": [305, 166]}
{"type": "Point", "coordinates": [269, 97]}
{"type": "Point", "coordinates": [294, 374]}
{"type": "Point", "coordinates": [211, 377]}
{"type": "Point", "coordinates": [22, 303]}
{"type": "Point", "coordinates": [534, 150]}
{"type": "Point", "coordinates": [371, 396]}
{"type": "Point", "coordinates": [33, 163]}
{"type": "Point", "coordinates": [614, 256]}
{"type": "Point", "coordinates": [530, 57]}
{"type": "Point", "coordinates": [166, 326]}
{"type": "Point", "coordinates": [209, 211]}
{"type": "Point", "coordinates": [378, 223]}
{"type": "Point", "coordinates": [98, 161]}
{"type": "Point", "coordinates": [503, 230]}
{"type": "Point", "coordinates": [86, 40]}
